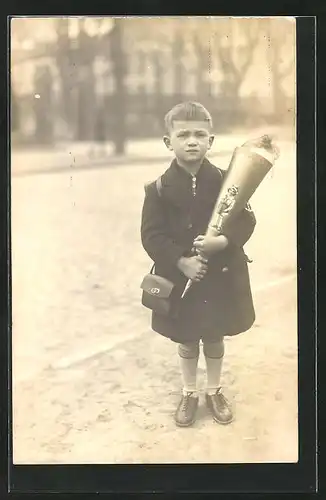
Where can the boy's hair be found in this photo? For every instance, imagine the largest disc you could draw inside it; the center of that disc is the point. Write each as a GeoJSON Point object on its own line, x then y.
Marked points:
{"type": "Point", "coordinates": [187, 111]}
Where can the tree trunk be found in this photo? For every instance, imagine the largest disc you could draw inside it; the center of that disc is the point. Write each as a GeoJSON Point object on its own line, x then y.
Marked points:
{"type": "Point", "coordinates": [177, 50]}
{"type": "Point", "coordinates": [64, 60]}
{"type": "Point", "coordinates": [277, 76]}
{"type": "Point", "coordinates": [43, 106]}
{"type": "Point", "coordinates": [158, 88]}
{"type": "Point", "coordinates": [119, 71]}
{"type": "Point", "coordinates": [278, 93]}
{"type": "Point", "coordinates": [86, 87]}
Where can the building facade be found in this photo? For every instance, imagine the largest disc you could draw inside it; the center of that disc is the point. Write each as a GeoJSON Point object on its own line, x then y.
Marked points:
{"type": "Point", "coordinates": [68, 74]}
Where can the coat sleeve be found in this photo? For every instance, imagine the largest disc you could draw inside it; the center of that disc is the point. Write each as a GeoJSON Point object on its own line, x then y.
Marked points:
{"type": "Point", "coordinates": [241, 229]}
{"type": "Point", "coordinates": [159, 245]}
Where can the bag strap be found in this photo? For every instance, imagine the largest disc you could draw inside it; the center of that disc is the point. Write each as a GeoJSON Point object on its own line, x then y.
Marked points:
{"type": "Point", "coordinates": [159, 186]}
{"type": "Point", "coordinates": [159, 192]}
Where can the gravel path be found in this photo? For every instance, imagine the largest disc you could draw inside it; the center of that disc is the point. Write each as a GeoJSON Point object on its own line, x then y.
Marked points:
{"type": "Point", "coordinates": [92, 383]}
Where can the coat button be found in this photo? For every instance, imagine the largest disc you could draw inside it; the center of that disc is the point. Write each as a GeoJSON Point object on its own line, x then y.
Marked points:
{"type": "Point", "coordinates": [225, 269]}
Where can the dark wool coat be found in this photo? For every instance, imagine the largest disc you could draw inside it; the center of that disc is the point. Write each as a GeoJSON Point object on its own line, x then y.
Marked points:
{"type": "Point", "coordinates": [220, 304]}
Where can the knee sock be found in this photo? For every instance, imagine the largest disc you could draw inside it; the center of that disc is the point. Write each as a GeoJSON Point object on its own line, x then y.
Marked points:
{"type": "Point", "coordinates": [214, 352]}
{"type": "Point", "coordinates": [188, 356]}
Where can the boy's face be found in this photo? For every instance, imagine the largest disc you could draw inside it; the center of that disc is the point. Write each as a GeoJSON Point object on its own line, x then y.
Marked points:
{"type": "Point", "coordinates": [190, 140]}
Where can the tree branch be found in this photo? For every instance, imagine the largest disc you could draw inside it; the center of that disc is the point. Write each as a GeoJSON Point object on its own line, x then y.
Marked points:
{"type": "Point", "coordinates": [237, 71]}
{"type": "Point", "coordinates": [226, 61]}
{"type": "Point", "coordinates": [252, 40]}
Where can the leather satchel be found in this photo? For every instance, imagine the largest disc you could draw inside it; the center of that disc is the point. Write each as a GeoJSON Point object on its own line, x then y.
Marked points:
{"type": "Point", "coordinates": [157, 293]}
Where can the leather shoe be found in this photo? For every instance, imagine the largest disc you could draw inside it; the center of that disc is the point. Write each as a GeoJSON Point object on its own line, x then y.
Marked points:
{"type": "Point", "coordinates": [220, 407]}
{"type": "Point", "coordinates": [186, 411]}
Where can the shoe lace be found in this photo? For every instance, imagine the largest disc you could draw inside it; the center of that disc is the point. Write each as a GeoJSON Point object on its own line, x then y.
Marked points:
{"type": "Point", "coordinates": [185, 401]}
{"type": "Point", "coordinates": [222, 398]}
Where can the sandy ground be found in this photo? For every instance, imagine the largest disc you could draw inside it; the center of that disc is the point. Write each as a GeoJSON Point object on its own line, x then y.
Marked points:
{"type": "Point", "coordinates": [91, 382]}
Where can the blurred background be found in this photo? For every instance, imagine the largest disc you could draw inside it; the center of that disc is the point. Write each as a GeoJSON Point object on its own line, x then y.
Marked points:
{"type": "Point", "coordinates": [113, 79]}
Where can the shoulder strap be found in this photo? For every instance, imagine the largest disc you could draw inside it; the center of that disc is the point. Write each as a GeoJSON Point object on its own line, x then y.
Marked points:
{"type": "Point", "coordinates": [159, 186]}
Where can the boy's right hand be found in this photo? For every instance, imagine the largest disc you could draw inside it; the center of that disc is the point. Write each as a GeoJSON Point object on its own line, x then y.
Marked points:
{"type": "Point", "coordinates": [193, 268]}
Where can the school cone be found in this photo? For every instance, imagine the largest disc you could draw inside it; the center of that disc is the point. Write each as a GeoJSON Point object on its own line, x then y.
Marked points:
{"type": "Point", "coordinates": [249, 165]}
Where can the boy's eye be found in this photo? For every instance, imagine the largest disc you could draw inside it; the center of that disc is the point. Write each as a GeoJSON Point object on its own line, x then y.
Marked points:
{"type": "Point", "coordinates": [196, 134]}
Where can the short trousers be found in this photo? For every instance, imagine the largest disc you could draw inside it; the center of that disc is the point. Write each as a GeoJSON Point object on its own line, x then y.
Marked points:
{"type": "Point", "coordinates": [190, 350]}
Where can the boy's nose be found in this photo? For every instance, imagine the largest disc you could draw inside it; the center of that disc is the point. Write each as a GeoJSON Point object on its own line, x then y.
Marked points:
{"type": "Point", "coordinates": [192, 141]}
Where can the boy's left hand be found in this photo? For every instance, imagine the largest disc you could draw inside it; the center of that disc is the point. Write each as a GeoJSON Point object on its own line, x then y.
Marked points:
{"type": "Point", "coordinates": [209, 245]}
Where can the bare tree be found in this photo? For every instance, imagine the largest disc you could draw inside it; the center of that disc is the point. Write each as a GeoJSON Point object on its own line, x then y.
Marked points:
{"type": "Point", "coordinates": [177, 52]}
{"type": "Point", "coordinates": [65, 63]}
{"type": "Point", "coordinates": [203, 56]}
{"type": "Point", "coordinates": [235, 42]}
{"type": "Point", "coordinates": [86, 96]}
{"type": "Point", "coordinates": [43, 107]}
{"type": "Point", "coordinates": [118, 58]}
{"type": "Point", "coordinates": [280, 53]}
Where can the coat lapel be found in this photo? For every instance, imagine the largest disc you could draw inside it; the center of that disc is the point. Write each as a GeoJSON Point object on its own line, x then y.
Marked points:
{"type": "Point", "coordinates": [176, 185]}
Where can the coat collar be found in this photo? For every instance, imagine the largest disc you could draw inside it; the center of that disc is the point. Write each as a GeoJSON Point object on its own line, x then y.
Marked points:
{"type": "Point", "coordinates": [176, 183]}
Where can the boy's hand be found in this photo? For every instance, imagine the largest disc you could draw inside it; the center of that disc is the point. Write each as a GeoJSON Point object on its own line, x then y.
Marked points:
{"type": "Point", "coordinates": [193, 268]}
{"type": "Point", "coordinates": [209, 245]}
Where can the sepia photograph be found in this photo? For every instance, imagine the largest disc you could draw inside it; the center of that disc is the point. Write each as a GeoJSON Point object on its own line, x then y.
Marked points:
{"type": "Point", "coordinates": [153, 179]}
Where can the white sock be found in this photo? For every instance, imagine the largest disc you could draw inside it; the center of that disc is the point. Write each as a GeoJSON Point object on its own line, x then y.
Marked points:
{"type": "Point", "coordinates": [214, 369]}
{"type": "Point", "coordinates": [189, 374]}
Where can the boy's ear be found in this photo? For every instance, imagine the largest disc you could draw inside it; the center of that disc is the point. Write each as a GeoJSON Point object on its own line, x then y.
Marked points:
{"type": "Point", "coordinates": [210, 141]}
{"type": "Point", "coordinates": [167, 142]}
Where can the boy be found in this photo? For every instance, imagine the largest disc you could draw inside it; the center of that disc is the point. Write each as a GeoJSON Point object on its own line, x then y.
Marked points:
{"type": "Point", "coordinates": [173, 223]}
